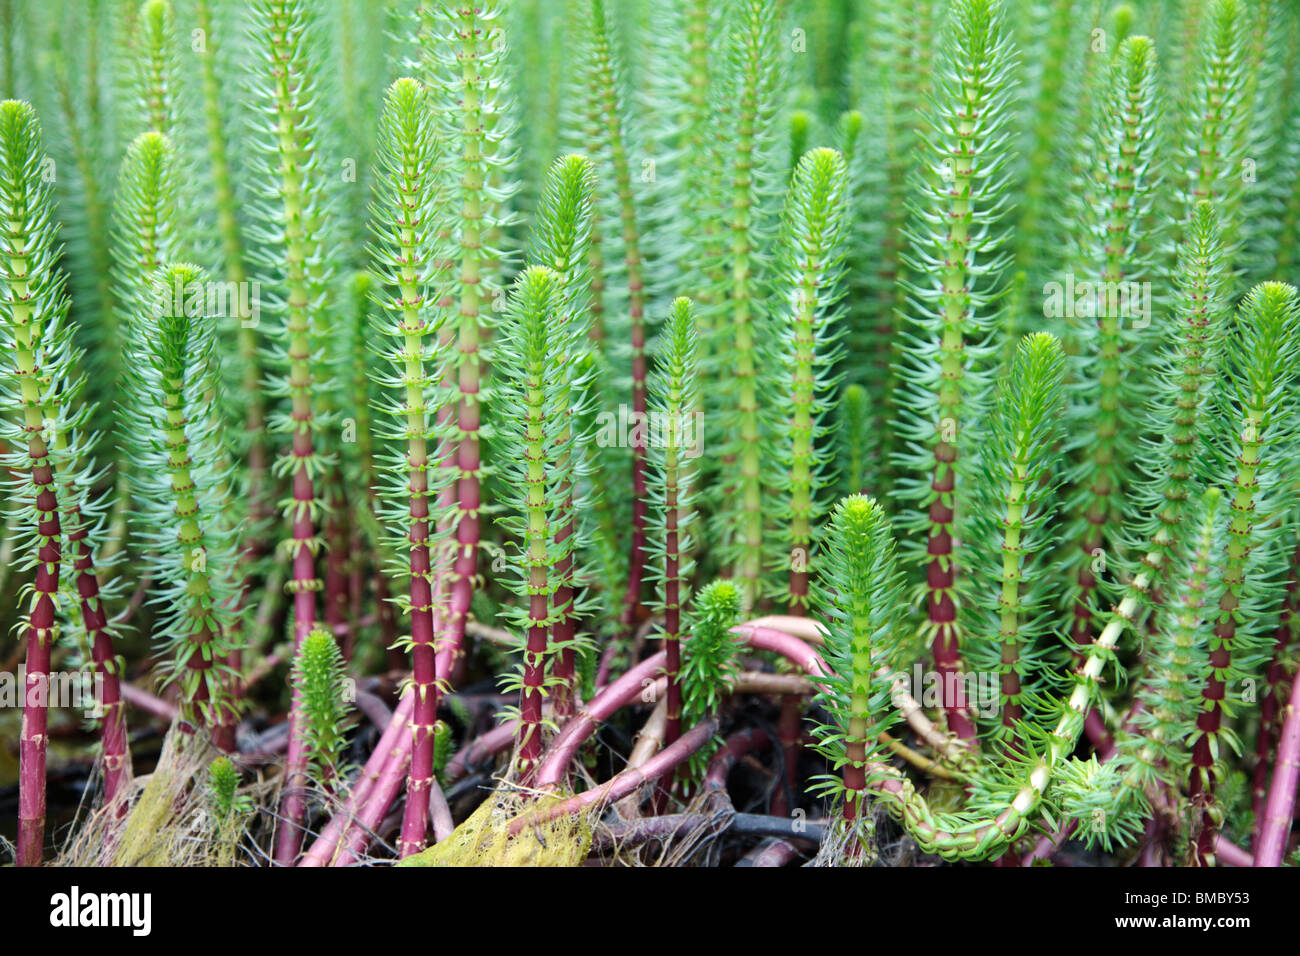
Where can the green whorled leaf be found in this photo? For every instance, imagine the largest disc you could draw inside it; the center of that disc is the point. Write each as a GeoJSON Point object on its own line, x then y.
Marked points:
{"type": "Point", "coordinates": [1155, 749]}
{"type": "Point", "coordinates": [157, 69]}
{"type": "Point", "coordinates": [562, 233]}
{"type": "Point", "coordinates": [859, 599]}
{"type": "Point", "coordinates": [1215, 127]}
{"type": "Point", "coordinates": [1170, 458]}
{"type": "Point", "coordinates": [752, 164]}
{"type": "Point", "coordinates": [803, 352]}
{"type": "Point", "coordinates": [41, 382]}
{"type": "Point", "coordinates": [410, 332]}
{"type": "Point", "coordinates": [180, 482]}
{"type": "Point", "coordinates": [709, 662]}
{"type": "Point", "coordinates": [1085, 792]}
{"type": "Point", "coordinates": [318, 676]}
{"type": "Point", "coordinates": [146, 236]}
{"type": "Point", "coordinates": [539, 439]}
{"type": "Point", "coordinates": [709, 658]}
{"type": "Point", "coordinates": [1010, 588]}
{"type": "Point", "coordinates": [955, 255]}
{"type": "Point", "coordinates": [223, 782]}
{"type": "Point", "coordinates": [677, 439]}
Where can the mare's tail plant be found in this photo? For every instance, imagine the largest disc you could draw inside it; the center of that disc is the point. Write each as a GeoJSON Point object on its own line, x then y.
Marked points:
{"type": "Point", "coordinates": [748, 95]}
{"type": "Point", "coordinates": [1009, 585]}
{"type": "Point", "coordinates": [562, 234]}
{"type": "Point", "coordinates": [157, 69]}
{"type": "Point", "coordinates": [801, 355]}
{"type": "Point", "coordinates": [672, 483]}
{"type": "Point", "coordinates": [463, 52]}
{"type": "Point", "coordinates": [710, 659]}
{"type": "Point", "coordinates": [608, 101]}
{"type": "Point", "coordinates": [411, 274]}
{"type": "Point", "coordinates": [318, 676]}
{"type": "Point", "coordinates": [1152, 750]}
{"type": "Point", "coordinates": [40, 387]}
{"type": "Point", "coordinates": [502, 294]}
{"type": "Point", "coordinates": [1114, 260]}
{"type": "Point", "coordinates": [1256, 428]}
{"type": "Point", "coordinates": [860, 593]}
{"type": "Point", "coordinates": [295, 269]}
{"type": "Point", "coordinates": [540, 472]}
{"type": "Point", "coordinates": [1213, 162]}
{"type": "Point", "coordinates": [954, 258]}
{"type": "Point", "coordinates": [805, 349]}
{"type": "Point", "coordinates": [178, 443]}
{"type": "Point", "coordinates": [227, 807]}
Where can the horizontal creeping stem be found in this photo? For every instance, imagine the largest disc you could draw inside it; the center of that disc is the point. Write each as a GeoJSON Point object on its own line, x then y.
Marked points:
{"type": "Point", "coordinates": [624, 783]}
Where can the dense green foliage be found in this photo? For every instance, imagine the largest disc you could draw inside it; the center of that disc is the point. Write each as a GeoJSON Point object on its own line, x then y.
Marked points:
{"type": "Point", "coordinates": [926, 375]}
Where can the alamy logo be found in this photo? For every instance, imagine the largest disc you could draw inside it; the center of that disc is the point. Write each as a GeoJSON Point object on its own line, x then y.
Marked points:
{"type": "Point", "coordinates": [71, 690]}
{"type": "Point", "coordinates": [979, 690]}
{"type": "Point", "coordinates": [1098, 300]}
{"type": "Point", "coordinates": [630, 429]}
{"type": "Point", "coordinates": [76, 909]}
{"type": "Point", "coordinates": [241, 300]}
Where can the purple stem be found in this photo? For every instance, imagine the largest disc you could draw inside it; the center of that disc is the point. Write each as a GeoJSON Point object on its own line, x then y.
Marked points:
{"type": "Point", "coordinates": [583, 724]}
{"type": "Point", "coordinates": [1275, 830]}
{"type": "Point", "coordinates": [394, 738]}
{"type": "Point", "coordinates": [624, 783]}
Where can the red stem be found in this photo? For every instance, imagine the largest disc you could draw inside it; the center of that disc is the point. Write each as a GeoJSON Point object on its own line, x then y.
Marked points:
{"type": "Point", "coordinates": [530, 700]}
{"type": "Point", "coordinates": [468, 492]}
{"type": "Point", "coordinates": [793, 649]}
{"type": "Point", "coordinates": [1230, 854]}
{"type": "Point", "coordinates": [636, 560]}
{"type": "Point", "coordinates": [672, 635]}
{"type": "Point", "coordinates": [386, 787]}
{"type": "Point", "coordinates": [294, 808]}
{"type": "Point", "coordinates": [336, 565]}
{"type": "Point", "coordinates": [564, 668]}
{"type": "Point", "coordinates": [787, 729]}
{"type": "Point", "coordinates": [672, 622]}
{"type": "Point", "coordinates": [578, 730]}
{"type": "Point", "coordinates": [147, 702]}
{"type": "Point", "coordinates": [1201, 785]}
{"type": "Point", "coordinates": [387, 782]}
{"type": "Point", "coordinates": [941, 608]}
{"type": "Point", "coordinates": [1094, 726]}
{"type": "Point", "coordinates": [631, 685]}
{"type": "Point", "coordinates": [735, 747]}
{"type": "Point", "coordinates": [607, 658]}
{"type": "Point", "coordinates": [772, 852]}
{"type": "Point", "coordinates": [491, 743]}
{"type": "Point", "coordinates": [387, 619]}
{"type": "Point", "coordinates": [1279, 809]}
{"type": "Point", "coordinates": [93, 618]}
{"type": "Point", "coordinates": [1268, 708]}
{"type": "Point", "coordinates": [425, 677]}
{"type": "Point", "coordinates": [40, 638]}
{"type": "Point", "coordinates": [356, 593]}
